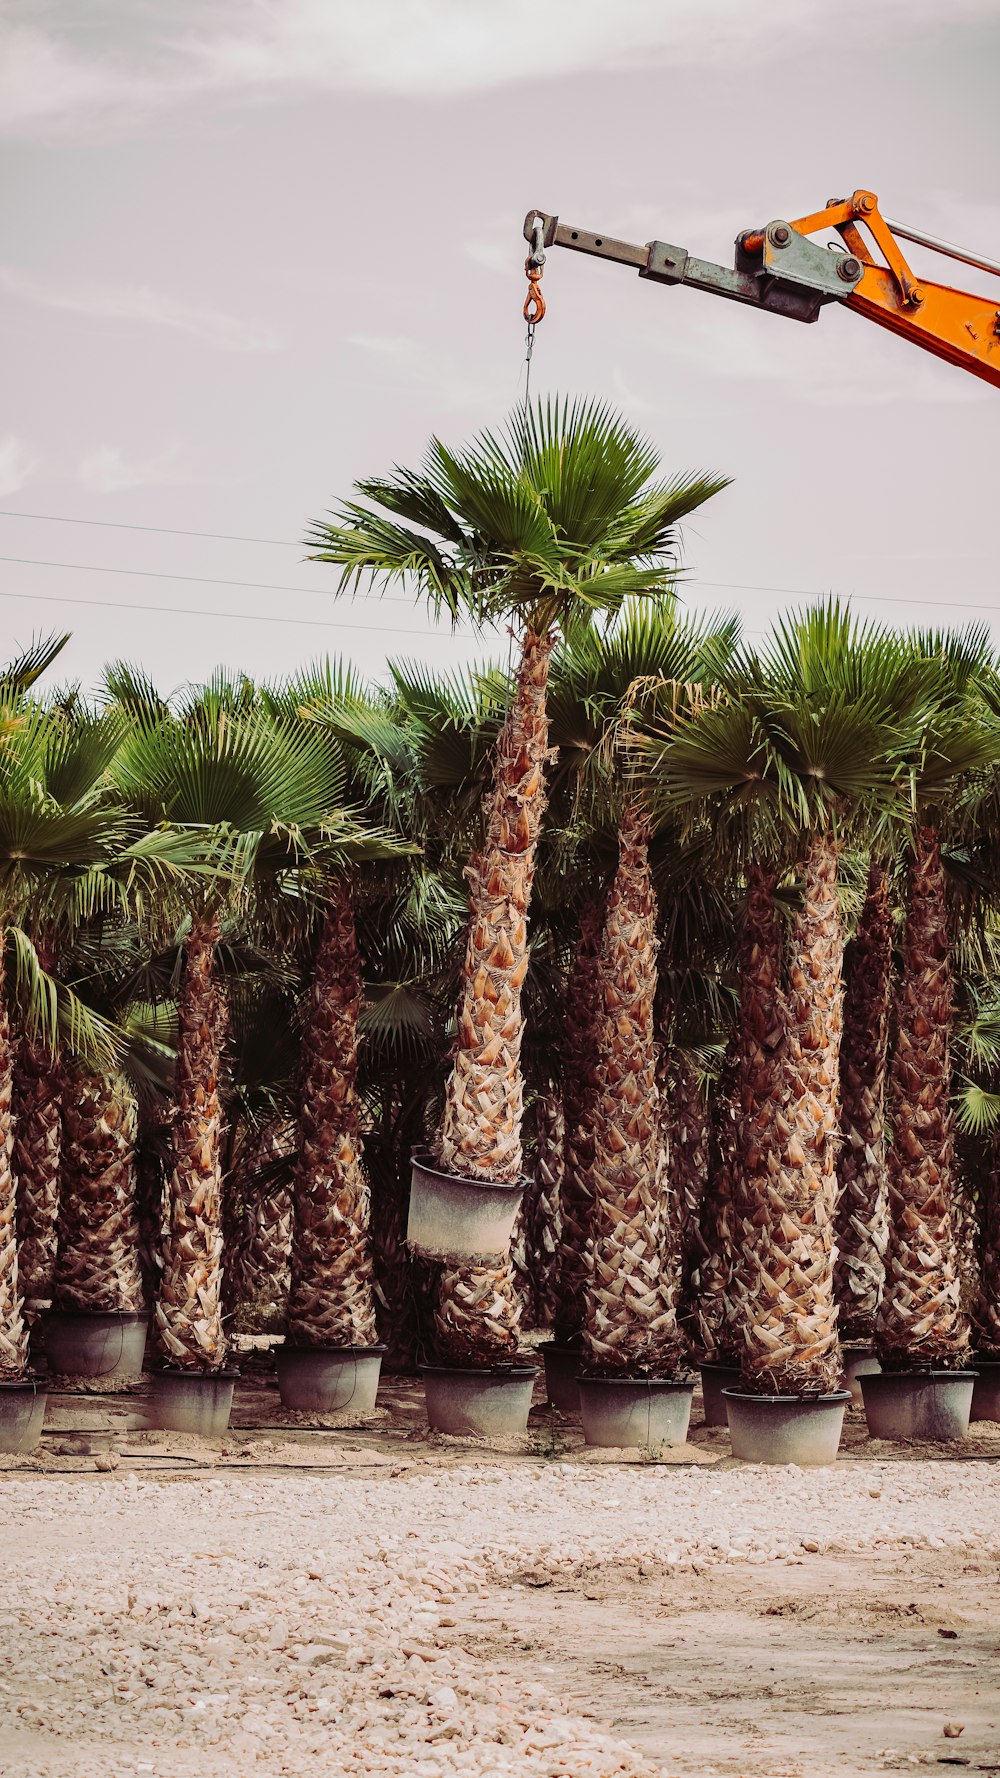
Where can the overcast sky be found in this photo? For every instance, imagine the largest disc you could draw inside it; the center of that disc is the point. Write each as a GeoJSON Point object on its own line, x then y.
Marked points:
{"type": "Point", "coordinates": [253, 249]}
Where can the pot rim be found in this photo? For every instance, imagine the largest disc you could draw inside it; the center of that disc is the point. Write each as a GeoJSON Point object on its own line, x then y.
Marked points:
{"type": "Point", "coordinates": [38, 1385]}
{"type": "Point", "coordinates": [718, 1364]}
{"type": "Point", "coordinates": [926, 1375]}
{"type": "Point", "coordinates": [648, 1383]}
{"type": "Point", "coordinates": [982, 1358]}
{"type": "Point", "coordinates": [116, 1315]}
{"type": "Point", "coordinates": [828, 1399]}
{"type": "Point", "coordinates": [175, 1374]}
{"type": "Point", "coordinates": [496, 1372]}
{"type": "Point", "coordinates": [867, 1347]}
{"type": "Point", "coordinates": [422, 1158]}
{"type": "Point", "coordinates": [286, 1351]}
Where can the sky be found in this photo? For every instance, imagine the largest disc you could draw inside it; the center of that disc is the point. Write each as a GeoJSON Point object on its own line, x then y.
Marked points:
{"type": "Point", "coordinates": [253, 250]}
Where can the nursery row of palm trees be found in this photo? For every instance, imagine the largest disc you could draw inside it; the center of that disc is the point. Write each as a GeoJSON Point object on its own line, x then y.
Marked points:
{"type": "Point", "coordinates": [264, 941]}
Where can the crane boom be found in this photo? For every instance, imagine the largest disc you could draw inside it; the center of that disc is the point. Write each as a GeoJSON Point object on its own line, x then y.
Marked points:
{"type": "Point", "coordinates": [781, 269]}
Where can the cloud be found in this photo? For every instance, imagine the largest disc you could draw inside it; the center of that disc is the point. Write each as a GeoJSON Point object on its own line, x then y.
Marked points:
{"type": "Point", "coordinates": [140, 303]}
{"type": "Point", "coordinates": [17, 465]}
{"type": "Point", "coordinates": [107, 470]}
{"type": "Point", "coordinates": [263, 48]}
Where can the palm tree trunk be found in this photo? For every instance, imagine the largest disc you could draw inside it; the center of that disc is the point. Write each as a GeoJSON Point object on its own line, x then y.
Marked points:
{"type": "Point", "coordinates": [541, 1221]}
{"type": "Point", "coordinates": [744, 1142]}
{"type": "Point", "coordinates": [37, 1106]}
{"type": "Point", "coordinates": [13, 1330]}
{"type": "Point", "coordinates": [97, 1265]}
{"type": "Point", "coordinates": [791, 1316]}
{"type": "Point", "coordinates": [480, 1134]}
{"type": "Point", "coordinates": [188, 1313]}
{"type": "Point", "coordinates": [715, 1321]}
{"type": "Point", "coordinates": [576, 1198]}
{"type": "Point", "coordinates": [987, 1310]}
{"type": "Point", "coordinates": [688, 1163]}
{"type": "Point", "coordinates": [257, 1222]}
{"type": "Point", "coordinates": [631, 1325]}
{"type": "Point", "coordinates": [920, 1320]}
{"type": "Point", "coordinates": [967, 1229]}
{"type": "Point", "coordinates": [478, 1313]}
{"type": "Point", "coordinates": [862, 1207]}
{"type": "Point", "coordinates": [332, 1300]}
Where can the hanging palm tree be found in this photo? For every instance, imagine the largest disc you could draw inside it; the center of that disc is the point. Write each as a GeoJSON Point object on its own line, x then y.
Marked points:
{"type": "Point", "coordinates": [557, 516]}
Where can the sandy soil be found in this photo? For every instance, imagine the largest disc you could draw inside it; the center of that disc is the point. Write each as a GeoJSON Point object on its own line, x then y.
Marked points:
{"type": "Point", "coordinates": [342, 1601]}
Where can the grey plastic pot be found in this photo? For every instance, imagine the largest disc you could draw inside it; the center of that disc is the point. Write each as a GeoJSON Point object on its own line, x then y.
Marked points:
{"type": "Point", "coordinates": [714, 1379]}
{"type": "Point", "coordinates": [491, 1404]}
{"type": "Point", "coordinates": [95, 1343]}
{"type": "Point", "coordinates": [803, 1429]}
{"type": "Point", "coordinates": [453, 1218]}
{"type": "Point", "coordinates": [986, 1390]}
{"type": "Point", "coordinates": [328, 1379]}
{"type": "Point", "coordinates": [193, 1401]}
{"type": "Point", "coordinates": [858, 1362]}
{"type": "Point", "coordinates": [22, 1414]}
{"type": "Point", "coordinates": [562, 1367]}
{"type": "Point", "coordinates": [633, 1411]}
{"type": "Point", "coordinates": [933, 1405]}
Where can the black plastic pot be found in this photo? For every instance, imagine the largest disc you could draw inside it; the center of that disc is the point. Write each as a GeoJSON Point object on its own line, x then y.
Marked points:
{"type": "Point", "coordinates": [95, 1343]}
{"type": "Point", "coordinates": [193, 1401]}
{"type": "Point", "coordinates": [715, 1377]}
{"type": "Point", "coordinates": [986, 1390]}
{"type": "Point", "coordinates": [329, 1379]}
{"type": "Point", "coordinates": [632, 1411]}
{"type": "Point", "coordinates": [802, 1429]}
{"type": "Point", "coordinates": [562, 1367]}
{"type": "Point", "coordinates": [858, 1362]}
{"type": "Point", "coordinates": [491, 1404]}
{"type": "Point", "coordinates": [933, 1405]}
{"type": "Point", "coordinates": [453, 1218]}
{"type": "Point", "coordinates": [22, 1414]}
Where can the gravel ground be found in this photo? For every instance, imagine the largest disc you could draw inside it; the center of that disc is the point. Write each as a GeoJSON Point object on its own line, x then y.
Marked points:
{"type": "Point", "coordinates": [313, 1624]}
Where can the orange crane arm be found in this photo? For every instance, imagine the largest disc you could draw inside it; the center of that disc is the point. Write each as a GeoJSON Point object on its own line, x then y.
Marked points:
{"type": "Point", "coordinates": [780, 268]}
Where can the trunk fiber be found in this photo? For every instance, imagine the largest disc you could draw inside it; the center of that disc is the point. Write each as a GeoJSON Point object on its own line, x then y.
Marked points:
{"type": "Point", "coordinates": [37, 1141]}
{"type": "Point", "coordinates": [863, 1203]}
{"type": "Point", "coordinates": [97, 1265]}
{"type": "Point", "coordinates": [13, 1330]}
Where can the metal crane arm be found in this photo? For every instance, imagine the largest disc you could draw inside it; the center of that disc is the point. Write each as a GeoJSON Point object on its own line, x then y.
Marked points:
{"type": "Point", "coordinates": [781, 269]}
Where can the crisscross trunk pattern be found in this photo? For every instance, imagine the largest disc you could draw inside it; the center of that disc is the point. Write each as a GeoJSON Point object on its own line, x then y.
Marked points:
{"type": "Point", "coordinates": [332, 1300]}
{"type": "Point", "coordinates": [920, 1320]}
{"type": "Point", "coordinates": [97, 1265]}
{"type": "Point", "coordinates": [37, 1142]}
{"type": "Point", "coordinates": [863, 1202]}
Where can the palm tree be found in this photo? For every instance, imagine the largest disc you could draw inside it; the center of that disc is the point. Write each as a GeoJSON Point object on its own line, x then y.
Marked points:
{"type": "Point", "coordinates": [555, 518]}
{"type": "Point", "coordinates": [97, 1265]}
{"type": "Point", "coordinates": [61, 827]}
{"type": "Point", "coordinates": [238, 789]}
{"type": "Point", "coordinates": [954, 740]}
{"type": "Point", "coordinates": [805, 742]}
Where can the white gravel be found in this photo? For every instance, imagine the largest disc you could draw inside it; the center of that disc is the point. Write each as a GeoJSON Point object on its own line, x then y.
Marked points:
{"type": "Point", "coordinates": [294, 1625]}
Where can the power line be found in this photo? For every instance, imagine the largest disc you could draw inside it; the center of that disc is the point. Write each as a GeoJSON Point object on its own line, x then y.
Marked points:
{"type": "Point", "coordinates": [264, 586]}
{"type": "Point", "coordinates": [58, 518]}
{"type": "Point", "coordinates": [250, 617]}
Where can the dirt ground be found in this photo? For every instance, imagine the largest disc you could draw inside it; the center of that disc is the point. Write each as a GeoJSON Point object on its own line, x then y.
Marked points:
{"type": "Point", "coordinates": [781, 1655]}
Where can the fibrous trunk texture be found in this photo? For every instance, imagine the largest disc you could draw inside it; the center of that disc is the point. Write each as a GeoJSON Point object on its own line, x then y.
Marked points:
{"type": "Point", "coordinates": [715, 1324]}
{"type": "Point", "coordinates": [576, 1198]}
{"type": "Point", "coordinates": [863, 1203]}
{"type": "Point", "coordinates": [332, 1299]}
{"type": "Point", "coordinates": [13, 1329]}
{"type": "Point", "coordinates": [188, 1313]}
{"type": "Point", "coordinates": [480, 1134]}
{"type": "Point", "coordinates": [630, 1326]}
{"type": "Point", "coordinates": [987, 1309]}
{"type": "Point", "coordinates": [688, 1167]}
{"type": "Point", "coordinates": [790, 1324]}
{"type": "Point", "coordinates": [920, 1321]}
{"type": "Point", "coordinates": [542, 1216]}
{"type": "Point", "coordinates": [478, 1313]}
{"type": "Point", "coordinates": [37, 1138]}
{"type": "Point", "coordinates": [258, 1226]}
{"type": "Point", "coordinates": [97, 1265]}
{"type": "Point", "coordinates": [967, 1228]}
